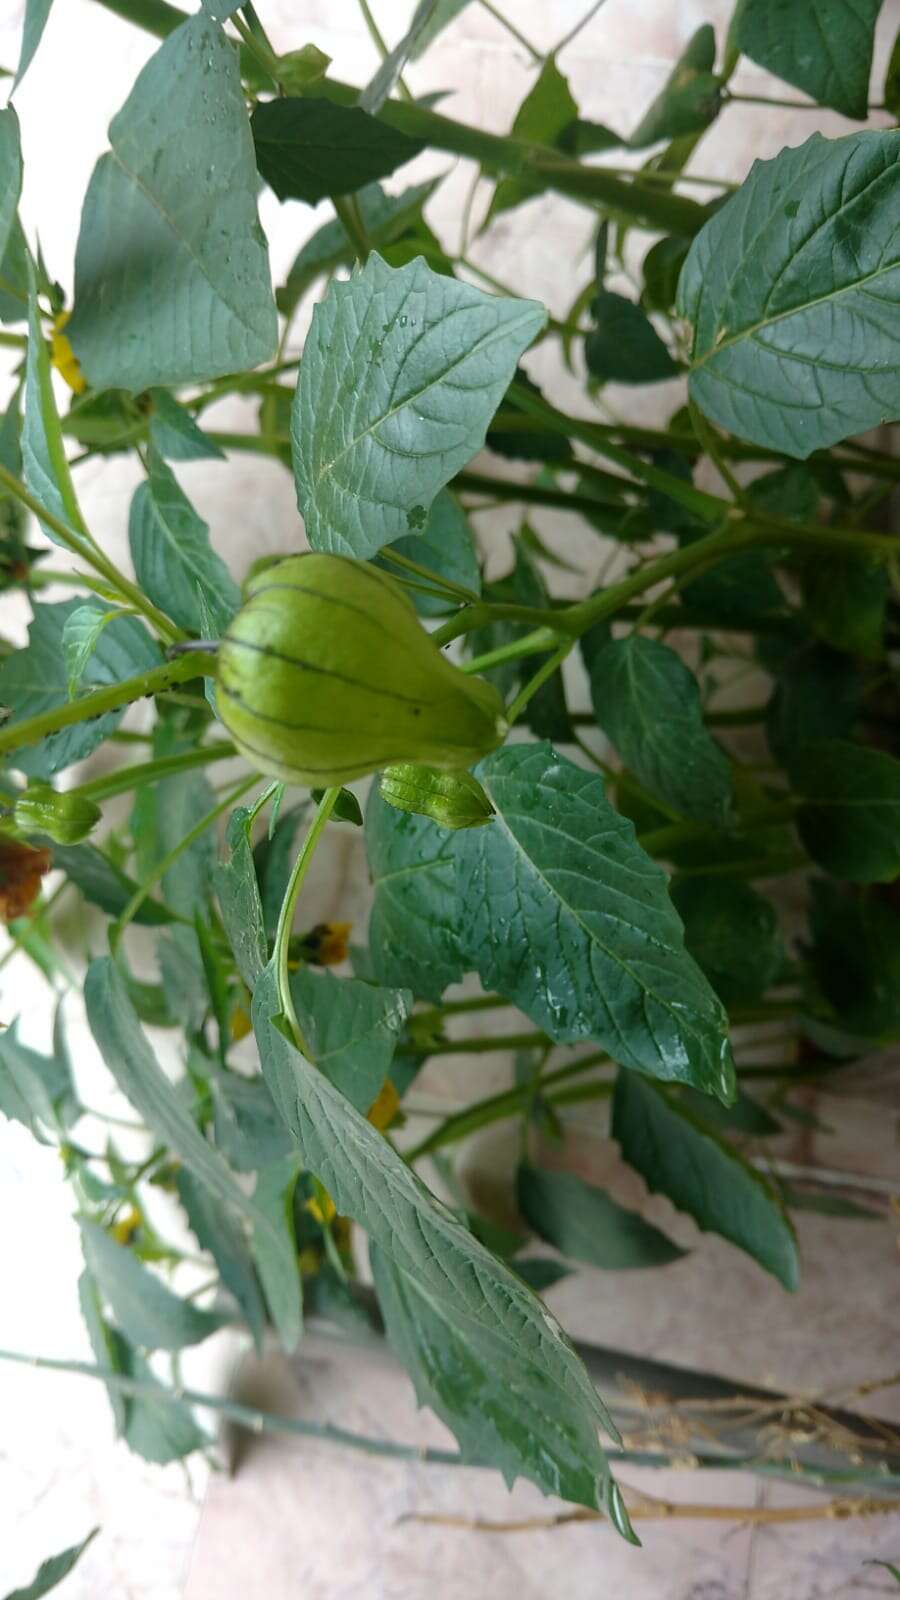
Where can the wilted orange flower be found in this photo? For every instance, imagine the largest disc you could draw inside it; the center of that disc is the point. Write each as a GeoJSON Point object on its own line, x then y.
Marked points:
{"type": "Point", "coordinates": [21, 871]}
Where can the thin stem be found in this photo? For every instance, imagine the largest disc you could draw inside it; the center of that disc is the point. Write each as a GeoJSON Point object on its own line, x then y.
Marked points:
{"type": "Point", "coordinates": [245, 1416]}
{"type": "Point", "coordinates": [574, 32]}
{"type": "Point", "coordinates": [15, 736]}
{"type": "Point", "coordinates": [289, 906]}
{"type": "Point", "coordinates": [488, 1043]}
{"type": "Point", "coordinates": [497, 1107]}
{"type": "Point", "coordinates": [708, 437]}
{"type": "Point", "coordinates": [528, 690]}
{"type": "Point", "coordinates": [377, 38]}
{"type": "Point", "coordinates": [531, 644]}
{"type": "Point", "coordinates": [90, 552]}
{"type": "Point", "coordinates": [147, 772]}
{"type": "Point", "coordinates": [457, 590]}
{"type": "Point", "coordinates": [512, 29]}
{"type": "Point", "coordinates": [350, 216]}
{"type": "Point", "coordinates": [162, 867]}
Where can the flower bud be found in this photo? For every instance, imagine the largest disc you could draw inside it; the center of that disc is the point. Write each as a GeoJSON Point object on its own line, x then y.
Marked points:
{"type": "Point", "coordinates": [65, 818]}
{"type": "Point", "coordinates": [326, 674]}
{"type": "Point", "coordinates": [452, 799]}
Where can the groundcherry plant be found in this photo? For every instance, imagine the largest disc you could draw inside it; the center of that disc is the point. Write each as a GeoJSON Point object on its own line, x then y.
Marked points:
{"type": "Point", "coordinates": [612, 873]}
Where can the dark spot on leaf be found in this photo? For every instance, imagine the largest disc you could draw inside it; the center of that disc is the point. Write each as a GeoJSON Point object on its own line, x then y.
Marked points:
{"type": "Point", "coordinates": [416, 517]}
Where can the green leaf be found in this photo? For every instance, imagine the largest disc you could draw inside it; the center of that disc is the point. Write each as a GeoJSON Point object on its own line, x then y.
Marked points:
{"type": "Point", "coordinates": [661, 268]}
{"type": "Point", "coordinates": [148, 1313]}
{"type": "Point", "coordinates": [563, 913]}
{"type": "Point", "coordinates": [818, 695]}
{"type": "Point", "coordinates": [128, 1056]}
{"type": "Point", "coordinates": [855, 956]}
{"type": "Point", "coordinates": [176, 805]}
{"type": "Point", "coordinates": [36, 1090]}
{"type": "Point", "coordinates": [823, 47]}
{"type": "Point", "coordinates": [44, 464]}
{"type": "Point", "coordinates": [238, 895]}
{"type": "Point", "coordinates": [273, 858]}
{"type": "Point", "coordinates": [104, 884]}
{"type": "Point", "coordinates": [483, 1352]}
{"type": "Point", "coordinates": [385, 217]}
{"type": "Point", "coordinates": [10, 174]}
{"type": "Point", "coordinates": [585, 1224]}
{"type": "Point", "coordinates": [690, 97]}
{"type": "Point", "coordinates": [648, 702]}
{"type": "Point", "coordinates": [217, 1232]}
{"type": "Point", "coordinates": [14, 277]}
{"type": "Point", "coordinates": [36, 14]}
{"type": "Point", "coordinates": [846, 600]}
{"type": "Point", "coordinates": [55, 1568]}
{"type": "Point", "coordinates": [442, 13]}
{"type": "Point", "coordinates": [540, 1273]}
{"type": "Point", "coordinates": [732, 934]}
{"type": "Point", "coordinates": [173, 559]}
{"type": "Point", "coordinates": [350, 1029]}
{"type": "Point", "coordinates": [792, 291]}
{"type": "Point", "coordinates": [81, 631]}
{"type": "Point", "coordinates": [175, 434]}
{"type": "Point", "coordinates": [446, 546]}
{"type": "Point", "coordinates": [892, 80]}
{"type": "Point", "coordinates": [308, 149]}
{"type": "Point", "coordinates": [413, 932]}
{"type": "Point", "coordinates": [745, 1115]}
{"type": "Point", "coordinates": [35, 679]}
{"type": "Point", "coordinates": [178, 190]}
{"type": "Point", "coordinates": [377, 91]}
{"type": "Point", "coordinates": [625, 347]}
{"type": "Point", "coordinates": [678, 1155]}
{"type": "Point", "coordinates": [275, 1244]}
{"type": "Point", "coordinates": [424, 361]}
{"type": "Point", "coordinates": [850, 818]}
{"type": "Point", "coordinates": [249, 1131]}
{"type": "Point", "coordinates": [157, 1430]}
{"type": "Point", "coordinates": [524, 586]}
{"type": "Point", "coordinates": [545, 114]}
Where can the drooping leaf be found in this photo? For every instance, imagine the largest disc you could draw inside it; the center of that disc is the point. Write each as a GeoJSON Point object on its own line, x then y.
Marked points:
{"type": "Point", "coordinates": [892, 79]}
{"type": "Point", "coordinates": [823, 47]}
{"type": "Point", "coordinates": [446, 547]}
{"type": "Point", "coordinates": [177, 190]}
{"type": "Point", "coordinates": [385, 217]}
{"type": "Point", "coordinates": [586, 1224]}
{"type": "Point", "coordinates": [350, 1028]}
{"type": "Point", "coordinates": [648, 702]}
{"type": "Point", "coordinates": [44, 464]}
{"type": "Point", "coordinates": [238, 894]}
{"type": "Point", "coordinates": [792, 291]}
{"type": "Point", "coordinates": [104, 884]}
{"type": "Point", "coordinates": [160, 1430]}
{"type": "Point", "coordinates": [732, 934]}
{"type": "Point", "coordinates": [413, 932]}
{"type": "Point", "coordinates": [36, 14]}
{"type": "Point", "coordinates": [81, 630]}
{"type": "Point", "coordinates": [562, 911]}
{"type": "Point", "coordinates": [855, 955]}
{"type": "Point", "coordinates": [308, 148]}
{"type": "Point", "coordinates": [55, 1568]}
{"type": "Point", "coordinates": [124, 1048]}
{"type": "Point", "coordinates": [482, 1351]}
{"type": "Point", "coordinates": [380, 86]}
{"type": "Point", "coordinates": [148, 1313]}
{"type": "Point", "coordinates": [690, 97]}
{"type": "Point", "coordinates": [680, 1156]}
{"type": "Point", "coordinates": [401, 373]}
{"type": "Point", "coordinates": [442, 13]}
{"type": "Point", "coordinates": [175, 434]}
{"type": "Point", "coordinates": [216, 1231]}
{"type": "Point", "coordinates": [545, 114]}
{"type": "Point", "coordinates": [36, 1090]}
{"type": "Point", "coordinates": [173, 558]}
{"type": "Point", "coordinates": [625, 347]}
{"type": "Point", "coordinates": [249, 1131]}
{"type": "Point", "coordinates": [850, 818]}
{"type": "Point", "coordinates": [10, 174]}
{"type": "Point", "coordinates": [275, 1243]}
{"type": "Point", "coordinates": [35, 679]}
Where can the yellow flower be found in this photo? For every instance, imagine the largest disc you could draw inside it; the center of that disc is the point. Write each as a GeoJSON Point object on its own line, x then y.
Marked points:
{"type": "Point", "coordinates": [384, 1107]}
{"type": "Point", "coordinates": [63, 357]}
{"type": "Point", "coordinates": [125, 1230]}
{"type": "Point", "coordinates": [240, 1024]}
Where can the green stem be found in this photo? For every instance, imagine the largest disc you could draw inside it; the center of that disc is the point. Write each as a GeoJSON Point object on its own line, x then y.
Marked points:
{"type": "Point", "coordinates": [531, 644]}
{"type": "Point", "coordinates": [160, 869]}
{"type": "Point", "coordinates": [574, 31]}
{"type": "Point", "coordinates": [488, 1043]}
{"type": "Point", "coordinates": [147, 772]}
{"type": "Point", "coordinates": [663, 839]}
{"type": "Point", "coordinates": [529, 689]}
{"type": "Point", "coordinates": [377, 38]}
{"type": "Point", "coordinates": [245, 1416]}
{"type": "Point", "coordinates": [88, 551]}
{"type": "Point", "coordinates": [456, 590]}
{"type": "Point", "coordinates": [496, 1108]}
{"type": "Point", "coordinates": [349, 215]}
{"type": "Point", "coordinates": [510, 27]}
{"type": "Point", "coordinates": [289, 906]}
{"type": "Point", "coordinates": [110, 698]}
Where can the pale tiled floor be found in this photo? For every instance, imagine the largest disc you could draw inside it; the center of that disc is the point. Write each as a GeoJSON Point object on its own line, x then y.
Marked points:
{"type": "Point", "coordinates": [313, 1522]}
